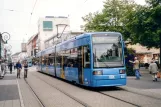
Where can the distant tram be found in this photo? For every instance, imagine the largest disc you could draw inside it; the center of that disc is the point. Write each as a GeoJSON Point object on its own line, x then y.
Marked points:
{"type": "Point", "coordinates": [91, 59]}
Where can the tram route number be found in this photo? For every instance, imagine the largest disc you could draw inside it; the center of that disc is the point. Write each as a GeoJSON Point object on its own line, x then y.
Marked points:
{"type": "Point", "coordinates": [111, 76]}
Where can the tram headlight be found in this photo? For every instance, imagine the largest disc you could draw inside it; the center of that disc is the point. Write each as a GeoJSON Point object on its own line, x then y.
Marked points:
{"type": "Point", "coordinates": [122, 71]}
{"type": "Point", "coordinates": [99, 72]}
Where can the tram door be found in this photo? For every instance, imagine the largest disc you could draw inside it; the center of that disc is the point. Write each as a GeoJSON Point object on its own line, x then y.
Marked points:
{"type": "Point", "coordinates": [80, 67]}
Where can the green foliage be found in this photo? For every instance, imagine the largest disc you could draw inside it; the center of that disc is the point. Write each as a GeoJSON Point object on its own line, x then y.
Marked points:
{"type": "Point", "coordinates": [129, 55]}
{"type": "Point", "coordinates": [145, 26]}
{"type": "Point", "coordinates": [130, 71]}
{"type": "Point", "coordinates": [112, 17]}
{"type": "Point", "coordinates": [141, 24]}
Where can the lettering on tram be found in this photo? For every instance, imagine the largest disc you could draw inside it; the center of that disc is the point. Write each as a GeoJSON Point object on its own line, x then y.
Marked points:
{"type": "Point", "coordinates": [92, 59]}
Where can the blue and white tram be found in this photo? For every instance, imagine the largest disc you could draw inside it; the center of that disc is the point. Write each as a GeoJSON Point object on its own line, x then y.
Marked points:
{"type": "Point", "coordinates": [91, 59]}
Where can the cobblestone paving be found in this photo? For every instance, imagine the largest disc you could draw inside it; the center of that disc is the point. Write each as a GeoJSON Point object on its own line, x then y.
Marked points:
{"type": "Point", "coordinates": [93, 99]}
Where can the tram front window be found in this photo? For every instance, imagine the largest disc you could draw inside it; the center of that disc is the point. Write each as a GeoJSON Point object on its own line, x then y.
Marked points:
{"type": "Point", "coordinates": [107, 51]}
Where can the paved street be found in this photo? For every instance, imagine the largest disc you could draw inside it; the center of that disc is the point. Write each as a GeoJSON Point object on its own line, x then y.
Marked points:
{"type": "Point", "coordinates": [16, 93]}
{"type": "Point", "coordinates": [80, 53]}
{"type": "Point", "coordinates": [40, 89]}
{"type": "Point", "coordinates": [145, 83]}
{"type": "Point", "coordinates": [113, 96]}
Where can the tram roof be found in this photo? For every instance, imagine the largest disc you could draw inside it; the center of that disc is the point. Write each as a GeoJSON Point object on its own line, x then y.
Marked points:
{"type": "Point", "coordinates": [86, 35]}
{"type": "Point", "coordinates": [77, 37]}
{"type": "Point", "coordinates": [91, 33]}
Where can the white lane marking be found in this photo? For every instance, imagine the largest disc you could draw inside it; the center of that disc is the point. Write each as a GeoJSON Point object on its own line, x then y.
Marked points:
{"type": "Point", "coordinates": [19, 91]}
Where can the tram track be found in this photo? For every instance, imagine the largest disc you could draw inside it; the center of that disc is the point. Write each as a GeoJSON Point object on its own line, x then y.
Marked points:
{"type": "Point", "coordinates": [37, 97]}
{"type": "Point", "coordinates": [60, 90]}
{"type": "Point", "coordinates": [150, 96]}
{"type": "Point", "coordinates": [141, 94]}
{"type": "Point", "coordinates": [106, 92]}
{"type": "Point", "coordinates": [123, 95]}
{"type": "Point", "coordinates": [119, 99]}
{"type": "Point", "coordinates": [84, 104]}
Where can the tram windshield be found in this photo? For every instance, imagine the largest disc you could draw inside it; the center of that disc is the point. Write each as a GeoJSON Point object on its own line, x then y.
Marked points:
{"type": "Point", "coordinates": [107, 51]}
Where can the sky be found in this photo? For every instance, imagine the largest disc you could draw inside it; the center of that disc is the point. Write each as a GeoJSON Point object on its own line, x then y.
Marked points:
{"type": "Point", "coordinates": [15, 16]}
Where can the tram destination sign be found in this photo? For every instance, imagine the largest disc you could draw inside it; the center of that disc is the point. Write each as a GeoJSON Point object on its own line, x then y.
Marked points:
{"type": "Point", "coordinates": [105, 39]}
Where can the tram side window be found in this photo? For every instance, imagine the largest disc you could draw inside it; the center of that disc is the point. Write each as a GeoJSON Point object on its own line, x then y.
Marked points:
{"type": "Point", "coordinates": [58, 59]}
{"type": "Point", "coordinates": [43, 60]}
{"type": "Point", "coordinates": [66, 61]}
{"type": "Point", "coordinates": [46, 58]}
{"type": "Point", "coordinates": [73, 58]}
{"type": "Point", "coordinates": [87, 57]}
{"type": "Point", "coordinates": [39, 60]}
{"type": "Point", "coordinates": [51, 59]}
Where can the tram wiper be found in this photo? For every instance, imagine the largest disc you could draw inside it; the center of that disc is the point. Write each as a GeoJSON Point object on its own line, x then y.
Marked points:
{"type": "Point", "coordinates": [106, 64]}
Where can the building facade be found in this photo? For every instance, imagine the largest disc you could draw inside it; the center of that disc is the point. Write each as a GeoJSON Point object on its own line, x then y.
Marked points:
{"type": "Point", "coordinates": [2, 49]}
{"type": "Point", "coordinates": [51, 31]}
{"type": "Point", "coordinates": [19, 56]}
{"type": "Point", "coordinates": [145, 55]}
{"type": "Point", "coordinates": [32, 45]}
{"type": "Point", "coordinates": [49, 27]}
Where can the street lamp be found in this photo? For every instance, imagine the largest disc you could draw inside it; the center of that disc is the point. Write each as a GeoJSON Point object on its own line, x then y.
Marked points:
{"type": "Point", "coordinates": [5, 36]}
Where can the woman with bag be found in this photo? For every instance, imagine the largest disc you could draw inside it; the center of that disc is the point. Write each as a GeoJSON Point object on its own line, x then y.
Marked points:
{"type": "Point", "coordinates": [153, 68]}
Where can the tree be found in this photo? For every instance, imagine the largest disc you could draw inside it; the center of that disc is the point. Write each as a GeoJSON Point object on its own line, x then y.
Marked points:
{"type": "Point", "coordinates": [112, 17]}
{"type": "Point", "coordinates": [145, 26]}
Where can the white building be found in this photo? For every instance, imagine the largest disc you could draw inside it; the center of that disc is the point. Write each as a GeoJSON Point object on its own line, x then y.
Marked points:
{"type": "Point", "coordinates": [32, 45]}
{"type": "Point", "coordinates": [19, 56]}
{"type": "Point", "coordinates": [50, 26]}
{"type": "Point", "coordinates": [48, 29]}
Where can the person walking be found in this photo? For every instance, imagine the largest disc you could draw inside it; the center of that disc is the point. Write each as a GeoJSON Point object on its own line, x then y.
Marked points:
{"type": "Point", "coordinates": [0, 68]}
{"type": "Point", "coordinates": [153, 68]}
{"type": "Point", "coordinates": [10, 67]}
{"type": "Point", "coordinates": [19, 67]}
{"type": "Point", "coordinates": [136, 68]}
{"type": "Point", "coordinates": [3, 65]}
{"type": "Point", "coordinates": [25, 69]}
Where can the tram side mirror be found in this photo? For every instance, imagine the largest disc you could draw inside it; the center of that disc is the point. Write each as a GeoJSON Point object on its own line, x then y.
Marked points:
{"type": "Point", "coordinates": [124, 46]}
{"type": "Point", "coordinates": [88, 49]}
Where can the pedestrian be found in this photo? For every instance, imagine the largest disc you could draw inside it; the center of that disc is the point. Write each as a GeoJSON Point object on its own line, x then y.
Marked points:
{"type": "Point", "coordinates": [19, 67]}
{"type": "Point", "coordinates": [153, 68]}
{"type": "Point", "coordinates": [136, 68]}
{"type": "Point", "coordinates": [25, 69]}
{"type": "Point", "coordinates": [2, 69]}
{"type": "Point", "coordinates": [10, 67]}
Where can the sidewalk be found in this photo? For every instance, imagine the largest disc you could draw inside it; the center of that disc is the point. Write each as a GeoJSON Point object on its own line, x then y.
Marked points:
{"type": "Point", "coordinates": [145, 85]}
{"type": "Point", "coordinates": [16, 93]}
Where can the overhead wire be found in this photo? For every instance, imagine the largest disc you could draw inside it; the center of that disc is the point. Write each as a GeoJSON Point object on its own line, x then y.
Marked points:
{"type": "Point", "coordinates": [74, 9]}
{"type": "Point", "coordinates": [13, 10]}
{"type": "Point", "coordinates": [31, 15]}
{"type": "Point", "coordinates": [70, 14]}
